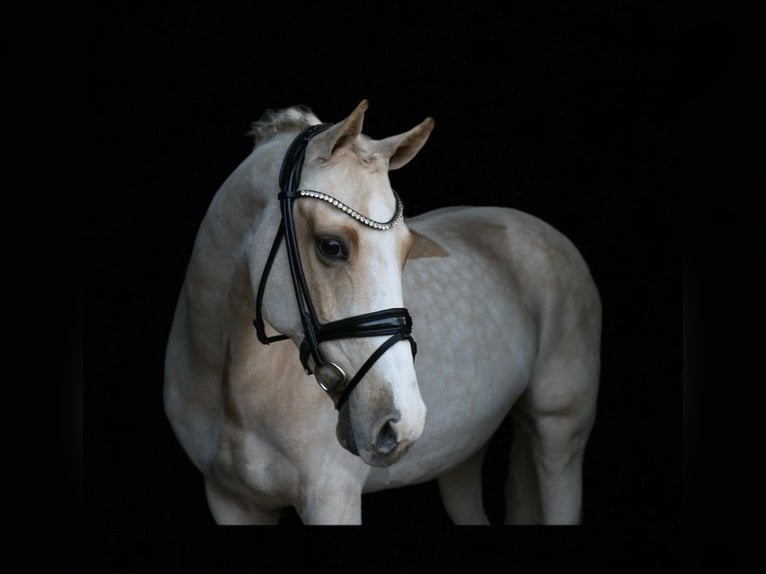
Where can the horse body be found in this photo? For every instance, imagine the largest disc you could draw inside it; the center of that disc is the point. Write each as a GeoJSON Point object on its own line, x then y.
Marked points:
{"type": "Point", "coordinates": [507, 319]}
{"type": "Point", "coordinates": [511, 317]}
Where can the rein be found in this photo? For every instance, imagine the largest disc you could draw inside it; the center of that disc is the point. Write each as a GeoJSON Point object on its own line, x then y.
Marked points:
{"type": "Point", "coordinates": [395, 322]}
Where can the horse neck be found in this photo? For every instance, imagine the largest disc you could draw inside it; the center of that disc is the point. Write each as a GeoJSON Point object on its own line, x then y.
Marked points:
{"type": "Point", "coordinates": [217, 276]}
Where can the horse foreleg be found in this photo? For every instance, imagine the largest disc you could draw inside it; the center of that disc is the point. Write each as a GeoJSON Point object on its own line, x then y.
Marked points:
{"type": "Point", "coordinates": [522, 497]}
{"type": "Point", "coordinates": [545, 479]}
{"type": "Point", "coordinates": [229, 509]}
{"type": "Point", "coordinates": [558, 455]}
{"type": "Point", "coordinates": [461, 491]}
{"type": "Point", "coordinates": [327, 503]}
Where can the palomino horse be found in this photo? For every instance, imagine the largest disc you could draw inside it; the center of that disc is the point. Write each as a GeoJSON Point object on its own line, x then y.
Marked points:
{"type": "Point", "coordinates": [306, 241]}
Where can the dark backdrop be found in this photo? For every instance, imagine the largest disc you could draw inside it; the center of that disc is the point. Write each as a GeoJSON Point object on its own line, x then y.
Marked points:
{"type": "Point", "coordinates": [565, 112]}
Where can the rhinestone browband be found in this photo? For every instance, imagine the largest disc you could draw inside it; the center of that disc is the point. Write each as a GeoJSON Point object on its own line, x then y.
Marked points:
{"type": "Point", "coordinates": [354, 213]}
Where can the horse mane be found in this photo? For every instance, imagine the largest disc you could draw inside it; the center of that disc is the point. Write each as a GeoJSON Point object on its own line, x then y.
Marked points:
{"type": "Point", "coordinates": [273, 122]}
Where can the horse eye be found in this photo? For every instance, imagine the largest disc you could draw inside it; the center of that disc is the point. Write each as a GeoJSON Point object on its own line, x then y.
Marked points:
{"type": "Point", "coordinates": [333, 249]}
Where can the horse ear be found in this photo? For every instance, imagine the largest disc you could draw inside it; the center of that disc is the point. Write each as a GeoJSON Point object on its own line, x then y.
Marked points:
{"type": "Point", "coordinates": [342, 134]}
{"type": "Point", "coordinates": [400, 149]}
{"type": "Point", "coordinates": [422, 246]}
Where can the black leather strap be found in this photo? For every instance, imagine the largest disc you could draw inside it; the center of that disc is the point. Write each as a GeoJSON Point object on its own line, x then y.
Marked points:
{"type": "Point", "coordinates": [386, 322]}
{"type": "Point", "coordinates": [260, 328]}
{"type": "Point", "coordinates": [289, 179]}
{"type": "Point", "coordinates": [394, 321]}
{"type": "Point", "coordinates": [393, 339]}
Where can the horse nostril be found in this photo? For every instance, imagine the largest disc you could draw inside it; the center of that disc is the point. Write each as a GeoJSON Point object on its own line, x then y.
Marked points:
{"type": "Point", "coordinates": [387, 440]}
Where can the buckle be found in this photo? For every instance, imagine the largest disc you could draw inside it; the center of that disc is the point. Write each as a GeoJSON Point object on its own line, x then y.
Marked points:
{"type": "Point", "coordinates": [330, 377]}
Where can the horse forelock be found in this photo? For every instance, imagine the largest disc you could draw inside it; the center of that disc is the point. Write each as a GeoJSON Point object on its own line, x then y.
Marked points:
{"type": "Point", "coordinates": [273, 122]}
{"type": "Point", "coordinates": [362, 153]}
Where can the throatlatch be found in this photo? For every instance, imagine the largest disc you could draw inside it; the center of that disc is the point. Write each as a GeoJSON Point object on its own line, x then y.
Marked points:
{"type": "Point", "coordinates": [395, 322]}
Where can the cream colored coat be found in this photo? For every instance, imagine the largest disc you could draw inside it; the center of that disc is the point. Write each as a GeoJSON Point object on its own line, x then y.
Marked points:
{"type": "Point", "coordinates": [505, 313]}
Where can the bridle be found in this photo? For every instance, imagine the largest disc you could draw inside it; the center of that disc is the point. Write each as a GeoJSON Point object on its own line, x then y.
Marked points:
{"type": "Point", "coordinates": [395, 323]}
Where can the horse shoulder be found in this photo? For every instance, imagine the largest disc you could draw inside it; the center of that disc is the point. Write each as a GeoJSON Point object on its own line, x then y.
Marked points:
{"type": "Point", "coordinates": [192, 399]}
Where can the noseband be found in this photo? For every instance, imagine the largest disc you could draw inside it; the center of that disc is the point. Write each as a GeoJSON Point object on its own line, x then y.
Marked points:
{"type": "Point", "coordinates": [395, 323]}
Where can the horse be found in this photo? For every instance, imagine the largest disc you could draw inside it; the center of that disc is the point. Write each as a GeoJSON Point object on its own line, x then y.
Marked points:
{"type": "Point", "coordinates": [423, 335]}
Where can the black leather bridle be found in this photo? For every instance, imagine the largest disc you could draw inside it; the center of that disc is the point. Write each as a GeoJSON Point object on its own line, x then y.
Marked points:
{"type": "Point", "coordinates": [395, 323]}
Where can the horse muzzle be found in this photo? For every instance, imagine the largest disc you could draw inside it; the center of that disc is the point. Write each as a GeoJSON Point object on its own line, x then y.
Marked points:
{"type": "Point", "coordinates": [383, 446]}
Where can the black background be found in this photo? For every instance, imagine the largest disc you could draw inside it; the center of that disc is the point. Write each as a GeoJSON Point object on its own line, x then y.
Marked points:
{"type": "Point", "coordinates": [567, 112]}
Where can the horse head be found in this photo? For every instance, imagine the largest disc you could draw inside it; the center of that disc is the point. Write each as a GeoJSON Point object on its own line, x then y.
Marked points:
{"type": "Point", "coordinates": [347, 244]}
